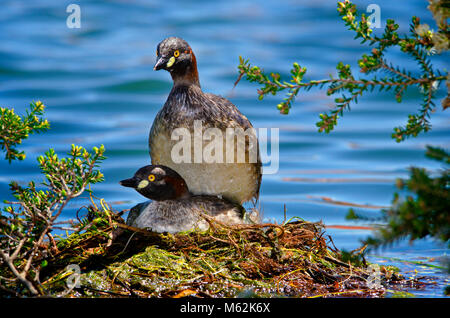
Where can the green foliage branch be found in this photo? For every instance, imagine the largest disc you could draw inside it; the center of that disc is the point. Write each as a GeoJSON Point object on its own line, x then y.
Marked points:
{"type": "Point", "coordinates": [418, 44]}
{"type": "Point", "coordinates": [15, 128]}
{"type": "Point", "coordinates": [423, 210]}
{"type": "Point", "coordinates": [26, 224]}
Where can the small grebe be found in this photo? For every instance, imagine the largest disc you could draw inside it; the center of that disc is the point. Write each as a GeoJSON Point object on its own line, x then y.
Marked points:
{"type": "Point", "coordinates": [174, 208]}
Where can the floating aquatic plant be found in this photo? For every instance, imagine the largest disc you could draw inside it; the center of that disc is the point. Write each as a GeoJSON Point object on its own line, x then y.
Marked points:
{"type": "Point", "coordinates": [270, 260]}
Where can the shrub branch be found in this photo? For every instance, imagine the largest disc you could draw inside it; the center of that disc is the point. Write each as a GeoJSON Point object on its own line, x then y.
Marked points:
{"type": "Point", "coordinates": [418, 45]}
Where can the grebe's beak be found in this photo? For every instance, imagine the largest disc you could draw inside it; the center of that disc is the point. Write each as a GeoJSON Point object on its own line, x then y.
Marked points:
{"type": "Point", "coordinates": [161, 62]}
{"type": "Point", "coordinates": [132, 182]}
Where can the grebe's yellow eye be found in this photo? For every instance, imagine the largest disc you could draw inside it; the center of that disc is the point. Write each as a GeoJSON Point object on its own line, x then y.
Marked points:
{"type": "Point", "coordinates": [176, 53]}
{"type": "Point", "coordinates": [151, 178]}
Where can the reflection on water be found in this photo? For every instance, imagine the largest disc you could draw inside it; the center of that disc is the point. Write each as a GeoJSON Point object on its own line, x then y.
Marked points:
{"type": "Point", "coordinates": [99, 88]}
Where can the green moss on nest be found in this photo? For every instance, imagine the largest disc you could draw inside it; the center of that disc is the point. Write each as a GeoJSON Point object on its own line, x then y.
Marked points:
{"type": "Point", "coordinates": [267, 260]}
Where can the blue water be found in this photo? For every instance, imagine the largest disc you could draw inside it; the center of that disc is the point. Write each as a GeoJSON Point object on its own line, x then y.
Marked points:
{"type": "Point", "coordinates": [99, 88]}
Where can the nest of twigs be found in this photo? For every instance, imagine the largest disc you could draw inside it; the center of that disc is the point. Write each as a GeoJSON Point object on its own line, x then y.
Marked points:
{"type": "Point", "coordinates": [295, 259]}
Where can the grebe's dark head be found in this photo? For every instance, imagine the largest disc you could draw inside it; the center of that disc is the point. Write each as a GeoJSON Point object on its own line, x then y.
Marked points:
{"type": "Point", "coordinates": [158, 183]}
{"type": "Point", "coordinates": [175, 56]}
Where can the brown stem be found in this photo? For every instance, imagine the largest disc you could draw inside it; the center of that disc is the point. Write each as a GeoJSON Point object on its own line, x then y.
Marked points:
{"type": "Point", "coordinates": [20, 276]}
